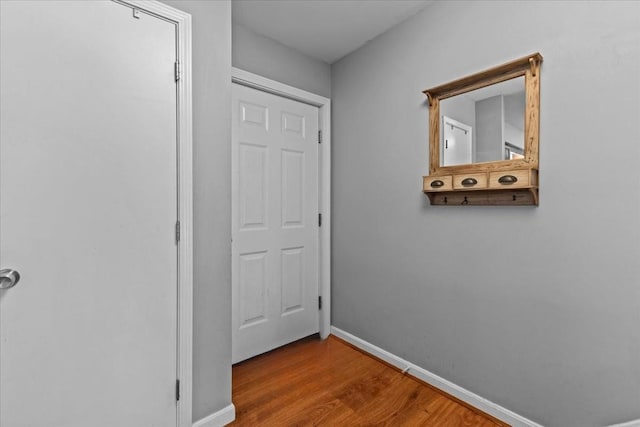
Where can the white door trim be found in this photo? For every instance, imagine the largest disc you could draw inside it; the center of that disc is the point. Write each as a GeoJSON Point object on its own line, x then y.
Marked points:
{"type": "Point", "coordinates": [182, 21]}
{"type": "Point", "coordinates": [255, 81]}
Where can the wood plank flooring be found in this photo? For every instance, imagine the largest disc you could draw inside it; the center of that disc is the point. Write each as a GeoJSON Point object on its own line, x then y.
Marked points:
{"type": "Point", "coordinates": [330, 383]}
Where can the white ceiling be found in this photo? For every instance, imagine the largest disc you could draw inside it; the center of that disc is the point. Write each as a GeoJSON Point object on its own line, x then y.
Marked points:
{"type": "Point", "coordinates": [324, 29]}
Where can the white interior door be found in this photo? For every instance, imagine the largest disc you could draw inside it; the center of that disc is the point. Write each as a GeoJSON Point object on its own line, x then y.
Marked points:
{"type": "Point", "coordinates": [457, 143]}
{"type": "Point", "coordinates": [274, 221]}
{"type": "Point", "coordinates": [88, 202]}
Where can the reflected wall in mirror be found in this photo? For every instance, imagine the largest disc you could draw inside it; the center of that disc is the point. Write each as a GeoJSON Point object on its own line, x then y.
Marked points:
{"type": "Point", "coordinates": [483, 125]}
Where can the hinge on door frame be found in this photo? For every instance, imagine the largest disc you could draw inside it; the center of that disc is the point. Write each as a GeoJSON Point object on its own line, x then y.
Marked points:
{"type": "Point", "coordinates": [176, 70]}
{"type": "Point", "coordinates": [177, 231]}
{"type": "Point", "coordinates": [320, 302]}
{"type": "Point", "coordinates": [319, 220]}
{"type": "Point", "coordinates": [319, 137]}
{"type": "Point", "coordinates": [177, 390]}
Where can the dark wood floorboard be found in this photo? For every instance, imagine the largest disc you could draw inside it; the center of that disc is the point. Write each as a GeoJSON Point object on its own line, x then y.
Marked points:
{"type": "Point", "coordinates": [329, 383]}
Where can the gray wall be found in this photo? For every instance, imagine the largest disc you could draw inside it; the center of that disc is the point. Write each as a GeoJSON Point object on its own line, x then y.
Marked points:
{"type": "Point", "coordinates": [212, 203]}
{"type": "Point", "coordinates": [536, 309]}
{"type": "Point", "coordinates": [269, 58]}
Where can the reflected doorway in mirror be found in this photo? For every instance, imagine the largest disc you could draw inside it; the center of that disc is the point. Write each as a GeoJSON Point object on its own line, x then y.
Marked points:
{"type": "Point", "coordinates": [457, 143]}
{"type": "Point", "coordinates": [512, 152]}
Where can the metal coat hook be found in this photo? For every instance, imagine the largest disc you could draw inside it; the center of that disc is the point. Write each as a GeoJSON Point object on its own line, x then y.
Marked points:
{"type": "Point", "coordinates": [445, 200]}
{"type": "Point", "coordinates": [136, 13]}
{"type": "Point", "coordinates": [465, 201]}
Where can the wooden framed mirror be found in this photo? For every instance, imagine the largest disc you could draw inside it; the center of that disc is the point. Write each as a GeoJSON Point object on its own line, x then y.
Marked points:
{"type": "Point", "coordinates": [484, 137]}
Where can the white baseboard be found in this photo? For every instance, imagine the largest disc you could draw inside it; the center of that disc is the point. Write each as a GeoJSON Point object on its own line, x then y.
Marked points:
{"type": "Point", "coordinates": [472, 399]}
{"type": "Point", "coordinates": [218, 419]}
{"type": "Point", "coordinates": [634, 423]}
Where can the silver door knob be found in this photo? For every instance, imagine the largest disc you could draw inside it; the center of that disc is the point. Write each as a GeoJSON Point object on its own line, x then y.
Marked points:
{"type": "Point", "coordinates": [8, 278]}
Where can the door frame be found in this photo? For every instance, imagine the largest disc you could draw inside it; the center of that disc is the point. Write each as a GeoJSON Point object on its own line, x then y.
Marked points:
{"type": "Point", "coordinates": [264, 84]}
{"type": "Point", "coordinates": [182, 21]}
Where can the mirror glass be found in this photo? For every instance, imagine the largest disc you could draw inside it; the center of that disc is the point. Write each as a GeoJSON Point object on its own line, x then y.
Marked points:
{"type": "Point", "coordinates": [483, 125]}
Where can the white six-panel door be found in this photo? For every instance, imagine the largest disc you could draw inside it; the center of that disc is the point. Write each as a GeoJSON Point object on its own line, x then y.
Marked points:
{"type": "Point", "coordinates": [274, 221]}
{"type": "Point", "coordinates": [88, 202]}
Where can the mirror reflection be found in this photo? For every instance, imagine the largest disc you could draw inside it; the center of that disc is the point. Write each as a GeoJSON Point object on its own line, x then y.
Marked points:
{"type": "Point", "coordinates": [483, 125]}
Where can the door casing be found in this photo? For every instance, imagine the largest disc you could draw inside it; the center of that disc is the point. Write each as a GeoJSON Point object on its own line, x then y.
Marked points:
{"type": "Point", "coordinates": [255, 81]}
{"type": "Point", "coordinates": [182, 21]}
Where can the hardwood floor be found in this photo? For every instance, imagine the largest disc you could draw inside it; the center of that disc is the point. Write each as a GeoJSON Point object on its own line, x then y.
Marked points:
{"type": "Point", "coordinates": [330, 383]}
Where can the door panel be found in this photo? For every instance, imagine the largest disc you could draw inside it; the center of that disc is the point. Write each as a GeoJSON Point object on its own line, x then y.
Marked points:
{"type": "Point", "coordinates": [88, 202]}
{"type": "Point", "coordinates": [274, 221]}
{"type": "Point", "coordinates": [252, 288]}
{"type": "Point", "coordinates": [292, 280]}
{"type": "Point", "coordinates": [293, 175]}
{"type": "Point", "coordinates": [252, 189]}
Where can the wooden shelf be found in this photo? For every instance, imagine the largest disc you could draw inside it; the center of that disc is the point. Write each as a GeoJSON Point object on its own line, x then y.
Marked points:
{"type": "Point", "coordinates": [507, 197]}
{"type": "Point", "coordinates": [448, 190]}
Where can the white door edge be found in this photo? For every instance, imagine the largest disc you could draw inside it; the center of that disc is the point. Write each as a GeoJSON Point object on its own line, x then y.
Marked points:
{"type": "Point", "coordinates": [264, 84]}
{"type": "Point", "coordinates": [182, 21]}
